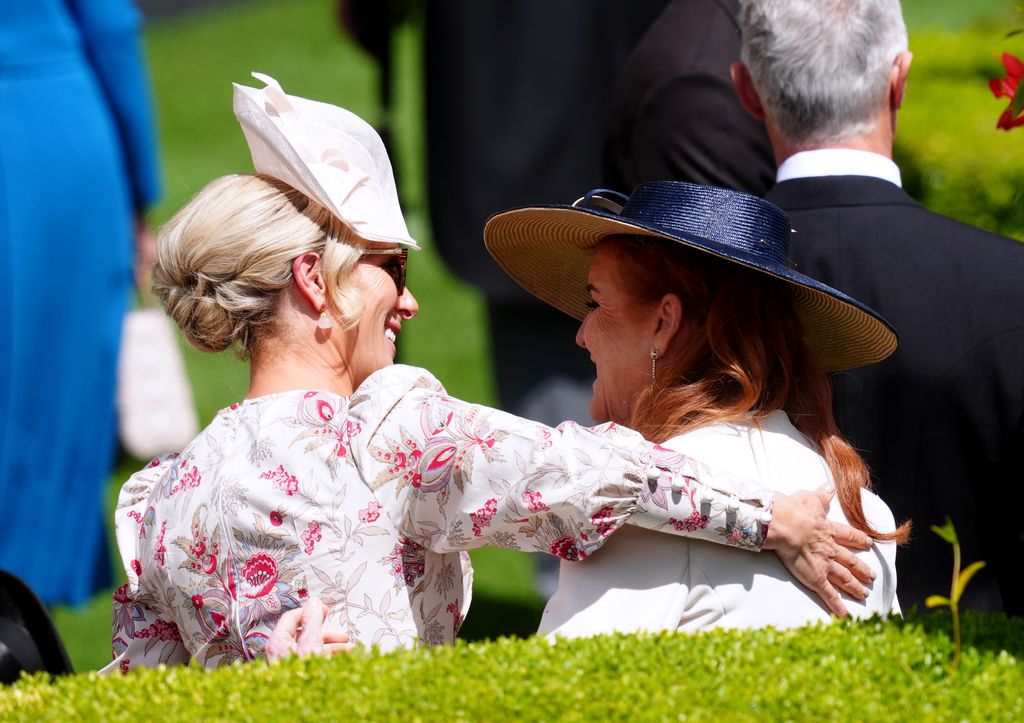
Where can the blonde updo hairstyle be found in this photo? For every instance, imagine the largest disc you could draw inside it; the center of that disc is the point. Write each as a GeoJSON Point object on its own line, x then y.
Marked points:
{"type": "Point", "coordinates": [224, 260]}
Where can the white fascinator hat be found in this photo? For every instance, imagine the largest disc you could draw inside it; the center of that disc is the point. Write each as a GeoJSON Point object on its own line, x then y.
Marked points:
{"type": "Point", "coordinates": [326, 152]}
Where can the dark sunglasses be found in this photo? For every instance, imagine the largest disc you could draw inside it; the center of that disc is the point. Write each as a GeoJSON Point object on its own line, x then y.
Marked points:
{"type": "Point", "coordinates": [395, 267]}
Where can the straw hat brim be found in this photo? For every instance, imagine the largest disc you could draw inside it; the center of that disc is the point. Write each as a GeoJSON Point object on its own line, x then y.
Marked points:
{"type": "Point", "coordinates": [548, 251]}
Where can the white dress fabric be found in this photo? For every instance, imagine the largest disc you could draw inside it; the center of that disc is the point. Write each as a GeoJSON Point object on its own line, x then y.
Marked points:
{"type": "Point", "coordinates": [367, 501]}
{"type": "Point", "coordinates": [640, 581]}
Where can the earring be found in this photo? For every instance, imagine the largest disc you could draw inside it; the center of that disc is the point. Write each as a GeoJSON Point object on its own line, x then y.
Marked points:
{"type": "Point", "coordinates": [654, 363]}
{"type": "Point", "coordinates": [325, 321]}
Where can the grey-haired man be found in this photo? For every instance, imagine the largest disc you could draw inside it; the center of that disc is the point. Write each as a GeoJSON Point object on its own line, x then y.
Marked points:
{"type": "Point", "coordinates": [941, 422]}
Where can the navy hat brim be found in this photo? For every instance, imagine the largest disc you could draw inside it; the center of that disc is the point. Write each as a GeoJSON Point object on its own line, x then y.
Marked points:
{"type": "Point", "coordinates": [548, 251]}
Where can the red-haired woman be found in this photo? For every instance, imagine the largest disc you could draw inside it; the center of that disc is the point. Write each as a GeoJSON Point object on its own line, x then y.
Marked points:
{"type": "Point", "coordinates": [706, 340]}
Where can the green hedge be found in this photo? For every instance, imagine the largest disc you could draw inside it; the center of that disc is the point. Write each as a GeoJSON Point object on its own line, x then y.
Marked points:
{"type": "Point", "coordinates": [953, 158]}
{"type": "Point", "coordinates": [893, 670]}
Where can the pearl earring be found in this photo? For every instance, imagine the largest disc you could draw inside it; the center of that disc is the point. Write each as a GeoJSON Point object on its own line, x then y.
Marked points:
{"type": "Point", "coordinates": [325, 321]}
{"type": "Point", "coordinates": [654, 363]}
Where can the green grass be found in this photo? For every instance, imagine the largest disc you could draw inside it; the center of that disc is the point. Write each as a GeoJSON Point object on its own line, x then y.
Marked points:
{"type": "Point", "coordinates": [195, 59]}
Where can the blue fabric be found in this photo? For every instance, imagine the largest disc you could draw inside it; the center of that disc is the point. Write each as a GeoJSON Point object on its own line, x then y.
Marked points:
{"type": "Point", "coordinates": [77, 162]}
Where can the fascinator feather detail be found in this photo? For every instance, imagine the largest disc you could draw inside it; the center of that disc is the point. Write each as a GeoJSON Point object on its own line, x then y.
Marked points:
{"type": "Point", "coordinates": [326, 152]}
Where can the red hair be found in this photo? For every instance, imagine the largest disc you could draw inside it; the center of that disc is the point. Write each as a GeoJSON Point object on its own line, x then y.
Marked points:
{"type": "Point", "coordinates": [744, 357]}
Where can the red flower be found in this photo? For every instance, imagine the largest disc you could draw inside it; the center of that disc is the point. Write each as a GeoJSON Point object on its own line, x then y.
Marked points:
{"type": "Point", "coordinates": [260, 574]}
{"type": "Point", "coordinates": [121, 594]}
{"type": "Point", "coordinates": [276, 518]}
{"type": "Point", "coordinates": [137, 567]}
{"type": "Point", "coordinates": [197, 601]}
{"type": "Point", "coordinates": [303, 593]}
{"type": "Point", "coordinates": [565, 548]}
{"type": "Point", "coordinates": [1007, 88]}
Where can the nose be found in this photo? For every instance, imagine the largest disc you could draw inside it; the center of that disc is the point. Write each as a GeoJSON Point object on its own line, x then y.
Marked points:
{"type": "Point", "coordinates": [581, 340]}
{"type": "Point", "coordinates": [407, 305]}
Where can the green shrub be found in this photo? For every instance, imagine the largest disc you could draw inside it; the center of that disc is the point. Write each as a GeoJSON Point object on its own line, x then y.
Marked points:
{"type": "Point", "coordinates": [876, 670]}
{"type": "Point", "coordinates": [953, 159]}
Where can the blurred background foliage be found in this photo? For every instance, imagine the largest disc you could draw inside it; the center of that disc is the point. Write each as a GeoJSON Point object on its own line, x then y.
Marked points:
{"type": "Point", "coordinates": [953, 160]}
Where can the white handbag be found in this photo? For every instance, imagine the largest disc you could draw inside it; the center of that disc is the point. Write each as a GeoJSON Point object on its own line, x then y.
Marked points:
{"type": "Point", "coordinates": [154, 400]}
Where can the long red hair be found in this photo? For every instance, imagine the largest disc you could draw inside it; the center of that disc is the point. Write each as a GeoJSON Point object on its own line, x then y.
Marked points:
{"type": "Point", "coordinates": [744, 357]}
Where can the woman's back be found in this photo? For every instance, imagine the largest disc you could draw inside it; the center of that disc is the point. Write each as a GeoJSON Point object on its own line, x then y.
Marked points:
{"type": "Point", "coordinates": [646, 581]}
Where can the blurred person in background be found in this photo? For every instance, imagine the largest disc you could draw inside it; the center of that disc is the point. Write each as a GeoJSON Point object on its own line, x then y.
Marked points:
{"type": "Point", "coordinates": [676, 117]}
{"type": "Point", "coordinates": [78, 169]}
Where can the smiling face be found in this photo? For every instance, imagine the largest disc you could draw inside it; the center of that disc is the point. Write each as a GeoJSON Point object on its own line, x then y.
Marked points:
{"type": "Point", "coordinates": [618, 332]}
{"type": "Point", "coordinates": [385, 310]}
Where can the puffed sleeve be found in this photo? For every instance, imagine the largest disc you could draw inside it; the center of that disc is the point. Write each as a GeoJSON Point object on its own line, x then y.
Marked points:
{"type": "Point", "coordinates": [142, 637]}
{"type": "Point", "coordinates": [459, 476]}
{"type": "Point", "coordinates": [111, 35]}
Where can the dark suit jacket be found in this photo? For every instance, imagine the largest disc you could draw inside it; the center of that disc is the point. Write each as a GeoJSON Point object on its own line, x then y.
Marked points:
{"type": "Point", "coordinates": [676, 116]}
{"type": "Point", "coordinates": [941, 422]}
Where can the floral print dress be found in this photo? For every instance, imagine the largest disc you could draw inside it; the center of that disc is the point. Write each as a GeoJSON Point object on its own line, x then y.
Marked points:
{"type": "Point", "coordinates": [369, 502]}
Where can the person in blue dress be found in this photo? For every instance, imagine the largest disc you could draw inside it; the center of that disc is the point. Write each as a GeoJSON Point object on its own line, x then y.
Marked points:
{"type": "Point", "coordinates": [77, 170]}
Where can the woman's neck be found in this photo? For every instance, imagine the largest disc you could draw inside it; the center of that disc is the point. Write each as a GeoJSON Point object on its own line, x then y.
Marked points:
{"type": "Point", "coordinates": [287, 368]}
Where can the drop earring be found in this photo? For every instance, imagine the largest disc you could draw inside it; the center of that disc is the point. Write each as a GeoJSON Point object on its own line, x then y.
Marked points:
{"type": "Point", "coordinates": [654, 363]}
{"type": "Point", "coordinates": [325, 321]}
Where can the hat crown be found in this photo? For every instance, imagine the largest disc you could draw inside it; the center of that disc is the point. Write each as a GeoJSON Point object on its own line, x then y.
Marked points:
{"type": "Point", "coordinates": [730, 218]}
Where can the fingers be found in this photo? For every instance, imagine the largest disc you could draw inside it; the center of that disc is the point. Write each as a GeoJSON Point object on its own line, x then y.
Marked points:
{"type": "Point", "coordinates": [841, 578]}
{"type": "Point", "coordinates": [853, 564]}
{"type": "Point", "coordinates": [830, 597]}
{"type": "Point", "coordinates": [849, 537]}
{"type": "Point", "coordinates": [281, 642]}
{"type": "Point", "coordinates": [311, 639]}
{"type": "Point", "coordinates": [825, 497]}
{"type": "Point", "coordinates": [335, 648]}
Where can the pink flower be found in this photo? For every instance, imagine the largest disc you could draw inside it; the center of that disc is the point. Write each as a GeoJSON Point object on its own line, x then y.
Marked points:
{"type": "Point", "coordinates": [565, 548]}
{"type": "Point", "coordinates": [310, 537]}
{"type": "Point", "coordinates": [160, 551]}
{"type": "Point", "coordinates": [482, 517]}
{"type": "Point", "coordinates": [276, 518]}
{"type": "Point", "coordinates": [1007, 88]}
{"type": "Point", "coordinates": [260, 574]}
{"type": "Point", "coordinates": [696, 521]}
{"type": "Point", "coordinates": [121, 594]}
{"type": "Point", "coordinates": [371, 513]}
{"type": "Point", "coordinates": [603, 521]}
{"type": "Point", "coordinates": [303, 593]}
{"type": "Point", "coordinates": [197, 601]}
{"type": "Point", "coordinates": [285, 482]}
{"type": "Point", "coordinates": [160, 629]}
{"type": "Point", "coordinates": [534, 501]}
{"type": "Point", "coordinates": [136, 567]}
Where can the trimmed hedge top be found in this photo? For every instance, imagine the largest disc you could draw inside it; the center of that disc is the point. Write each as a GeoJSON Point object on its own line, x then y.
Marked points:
{"type": "Point", "coordinates": [875, 670]}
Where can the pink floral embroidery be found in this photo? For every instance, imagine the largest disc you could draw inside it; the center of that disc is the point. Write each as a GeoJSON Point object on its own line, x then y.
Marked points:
{"type": "Point", "coordinates": [603, 521]}
{"type": "Point", "coordinates": [696, 521]}
{"type": "Point", "coordinates": [310, 537]}
{"type": "Point", "coordinates": [260, 574]}
{"type": "Point", "coordinates": [136, 567]}
{"type": "Point", "coordinates": [371, 513]}
{"type": "Point", "coordinates": [124, 665]}
{"type": "Point", "coordinates": [135, 516]}
{"type": "Point", "coordinates": [121, 594]}
{"type": "Point", "coordinates": [407, 561]}
{"type": "Point", "coordinates": [190, 481]}
{"type": "Point", "coordinates": [534, 500]}
{"type": "Point", "coordinates": [453, 608]}
{"type": "Point", "coordinates": [285, 482]}
{"type": "Point", "coordinates": [197, 601]}
{"type": "Point", "coordinates": [345, 437]}
{"type": "Point", "coordinates": [160, 551]}
{"type": "Point", "coordinates": [276, 518]}
{"type": "Point", "coordinates": [565, 548]}
{"type": "Point", "coordinates": [482, 517]}
{"type": "Point", "coordinates": [160, 629]}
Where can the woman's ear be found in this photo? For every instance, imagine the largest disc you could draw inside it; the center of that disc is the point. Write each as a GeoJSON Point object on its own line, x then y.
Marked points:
{"type": "Point", "coordinates": [309, 280]}
{"type": "Point", "coordinates": [669, 322]}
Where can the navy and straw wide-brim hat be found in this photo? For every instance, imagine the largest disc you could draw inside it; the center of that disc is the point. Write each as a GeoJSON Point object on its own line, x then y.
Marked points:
{"type": "Point", "coordinates": [548, 250]}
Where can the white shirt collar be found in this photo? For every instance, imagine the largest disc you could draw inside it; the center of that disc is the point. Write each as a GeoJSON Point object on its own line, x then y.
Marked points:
{"type": "Point", "coordinates": [838, 162]}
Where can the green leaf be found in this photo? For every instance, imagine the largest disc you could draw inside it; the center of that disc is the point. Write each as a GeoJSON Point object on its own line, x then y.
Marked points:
{"type": "Point", "coordinates": [1018, 103]}
{"type": "Point", "coordinates": [965, 576]}
{"type": "Point", "coordinates": [934, 601]}
{"type": "Point", "coordinates": [1016, 31]}
{"type": "Point", "coordinates": [947, 532]}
